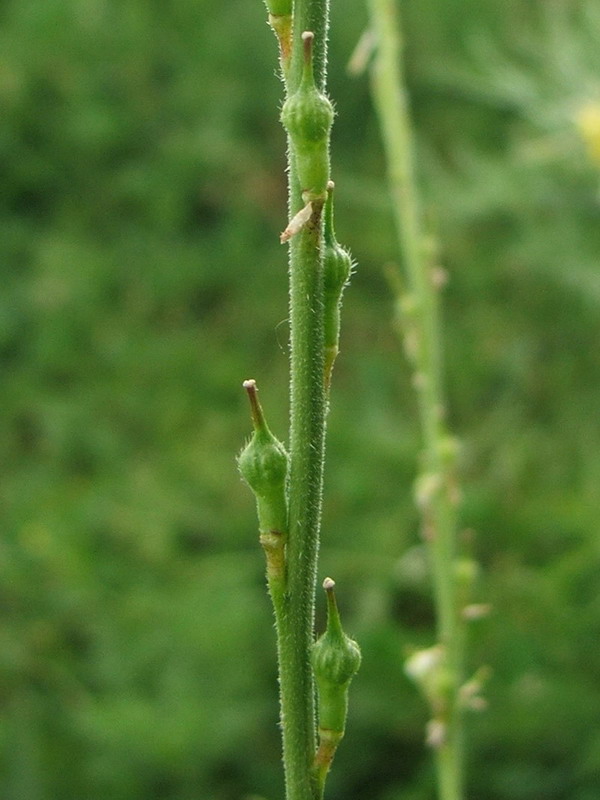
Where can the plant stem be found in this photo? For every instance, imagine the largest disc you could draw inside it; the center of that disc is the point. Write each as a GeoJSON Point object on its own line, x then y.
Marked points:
{"type": "Point", "coordinates": [305, 487]}
{"type": "Point", "coordinates": [307, 116]}
{"type": "Point", "coordinates": [307, 439]}
{"type": "Point", "coordinates": [436, 490]}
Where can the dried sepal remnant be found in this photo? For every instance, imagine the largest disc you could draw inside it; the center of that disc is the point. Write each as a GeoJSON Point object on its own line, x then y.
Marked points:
{"type": "Point", "coordinates": [273, 544]}
{"type": "Point", "coordinates": [280, 20]}
{"type": "Point", "coordinates": [297, 223]}
{"type": "Point", "coordinates": [282, 27]}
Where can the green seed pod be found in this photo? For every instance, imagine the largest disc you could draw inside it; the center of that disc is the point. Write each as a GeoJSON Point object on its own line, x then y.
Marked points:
{"type": "Point", "coordinates": [335, 660]}
{"type": "Point", "coordinates": [279, 8]}
{"type": "Point", "coordinates": [337, 267]}
{"type": "Point", "coordinates": [337, 262]}
{"type": "Point", "coordinates": [307, 116]}
{"type": "Point", "coordinates": [263, 464]}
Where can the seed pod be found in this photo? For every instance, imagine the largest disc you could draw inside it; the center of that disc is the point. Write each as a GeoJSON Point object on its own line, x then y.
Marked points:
{"type": "Point", "coordinates": [279, 8]}
{"type": "Point", "coordinates": [337, 261]}
{"type": "Point", "coordinates": [335, 660]}
{"type": "Point", "coordinates": [337, 268]}
{"type": "Point", "coordinates": [263, 464]}
{"type": "Point", "coordinates": [307, 116]}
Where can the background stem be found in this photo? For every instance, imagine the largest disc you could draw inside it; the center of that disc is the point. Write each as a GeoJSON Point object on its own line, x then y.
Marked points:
{"type": "Point", "coordinates": [438, 506]}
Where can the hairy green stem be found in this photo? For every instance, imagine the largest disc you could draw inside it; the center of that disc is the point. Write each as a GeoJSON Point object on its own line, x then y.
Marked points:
{"type": "Point", "coordinates": [307, 439]}
{"type": "Point", "coordinates": [436, 490]}
{"type": "Point", "coordinates": [305, 487]}
{"type": "Point", "coordinates": [288, 487]}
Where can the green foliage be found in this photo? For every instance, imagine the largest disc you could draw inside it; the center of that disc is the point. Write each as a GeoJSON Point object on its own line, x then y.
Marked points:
{"type": "Point", "coordinates": [142, 197]}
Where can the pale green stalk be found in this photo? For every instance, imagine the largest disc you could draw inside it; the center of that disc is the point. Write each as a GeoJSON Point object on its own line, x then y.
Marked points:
{"type": "Point", "coordinates": [419, 308]}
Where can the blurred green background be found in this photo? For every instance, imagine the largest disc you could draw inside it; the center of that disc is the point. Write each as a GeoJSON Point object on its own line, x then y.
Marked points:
{"type": "Point", "coordinates": [142, 193]}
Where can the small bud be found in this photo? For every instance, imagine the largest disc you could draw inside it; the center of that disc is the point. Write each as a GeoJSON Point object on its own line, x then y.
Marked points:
{"type": "Point", "coordinates": [477, 704]}
{"type": "Point", "coordinates": [263, 464]}
{"type": "Point", "coordinates": [307, 115]}
{"type": "Point", "coordinates": [435, 733]}
{"type": "Point", "coordinates": [475, 611]}
{"type": "Point", "coordinates": [469, 693]}
{"type": "Point", "coordinates": [439, 277]}
{"type": "Point", "coordinates": [420, 381]}
{"type": "Point", "coordinates": [427, 487]}
{"type": "Point", "coordinates": [423, 663]}
{"type": "Point", "coordinates": [411, 344]}
{"type": "Point", "coordinates": [428, 669]}
{"type": "Point", "coordinates": [335, 660]}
